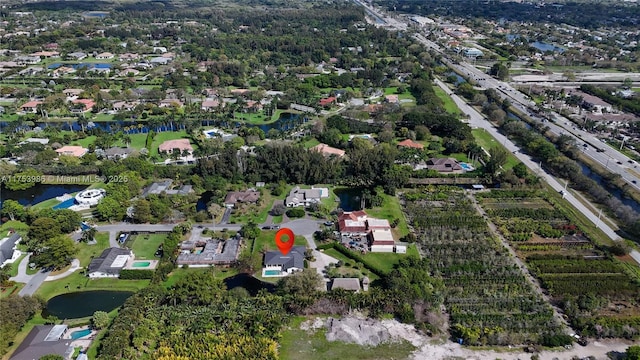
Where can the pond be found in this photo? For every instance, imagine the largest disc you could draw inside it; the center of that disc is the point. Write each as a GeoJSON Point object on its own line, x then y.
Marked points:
{"type": "Point", "coordinates": [546, 47]}
{"type": "Point", "coordinates": [287, 121]}
{"type": "Point", "coordinates": [204, 200]}
{"type": "Point", "coordinates": [249, 283]}
{"type": "Point", "coordinates": [350, 199]}
{"type": "Point", "coordinates": [85, 303]}
{"type": "Point", "coordinates": [615, 192]}
{"type": "Point", "coordinates": [459, 79]}
{"type": "Point", "coordinates": [39, 193]}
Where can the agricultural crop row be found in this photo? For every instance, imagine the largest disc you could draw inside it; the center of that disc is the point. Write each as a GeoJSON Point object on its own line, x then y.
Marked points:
{"type": "Point", "coordinates": [594, 289]}
{"type": "Point", "coordinates": [488, 299]}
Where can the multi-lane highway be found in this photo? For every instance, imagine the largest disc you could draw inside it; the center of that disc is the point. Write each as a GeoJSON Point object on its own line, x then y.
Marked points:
{"type": "Point", "coordinates": [523, 102]}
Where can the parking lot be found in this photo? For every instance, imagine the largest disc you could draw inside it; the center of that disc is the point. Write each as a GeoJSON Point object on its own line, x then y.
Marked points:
{"type": "Point", "coordinates": [356, 243]}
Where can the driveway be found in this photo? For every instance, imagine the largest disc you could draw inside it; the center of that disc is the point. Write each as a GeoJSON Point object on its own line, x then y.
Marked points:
{"type": "Point", "coordinates": [33, 284]}
{"type": "Point", "coordinates": [22, 271]}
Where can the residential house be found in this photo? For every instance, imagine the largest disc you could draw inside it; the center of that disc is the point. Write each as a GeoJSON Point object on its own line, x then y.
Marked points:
{"type": "Point", "coordinates": [117, 153]}
{"type": "Point", "coordinates": [160, 60]}
{"type": "Point", "coordinates": [240, 92]}
{"type": "Point", "coordinates": [129, 72]}
{"type": "Point", "coordinates": [327, 150]}
{"type": "Point", "coordinates": [353, 223]}
{"type": "Point", "coordinates": [164, 187]}
{"type": "Point", "coordinates": [210, 105]}
{"type": "Point", "coordinates": [327, 101]}
{"type": "Point", "coordinates": [76, 56]}
{"type": "Point", "coordinates": [72, 92]}
{"type": "Point", "coordinates": [204, 253]}
{"type": "Point", "coordinates": [9, 249]}
{"type": "Point", "coordinates": [46, 54]}
{"type": "Point", "coordinates": [31, 106]}
{"type": "Point", "coordinates": [349, 284]}
{"type": "Point", "coordinates": [443, 165]}
{"type": "Point", "coordinates": [593, 103]}
{"type": "Point", "coordinates": [359, 224]}
{"type": "Point", "coordinates": [305, 197]}
{"type": "Point", "coordinates": [109, 263]}
{"type": "Point", "coordinates": [247, 196]}
{"type": "Point", "coordinates": [277, 264]}
{"type": "Point", "coordinates": [124, 105]}
{"type": "Point", "coordinates": [70, 150]}
{"type": "Point", "coordinates": [28, 60]}
{"type": "Point", "coordinates": [170, 103]}
{"type": "Point", "coordinates": [43, 141]}
{"type": "Point", "coordinates": [44, 340]}
{"type": "Point", "coordinates": [408, 143]}
{"type": "Point", "coordinates": [128, 57]}
{"type": "Point", "coordinates": [392, 99]}
{"type": "Point", "coordinates": [82, 105]}
{"type": "Point", "coordinates": [181, 145]}
{"type": "Point", "coordinates": [105, 56]}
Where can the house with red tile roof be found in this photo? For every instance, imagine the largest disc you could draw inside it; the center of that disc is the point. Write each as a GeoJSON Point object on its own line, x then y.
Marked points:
{"type": "Point", "coordinates": [77, 151]}
{"type": "Point", "coordinates": [327, 150]}
{"type": "Point", "coordinates": [180, 144]}
{"type": "Point", "coordinates": [327, 101]}
{"type": "Point", "coordinates": [82, 105]}
{"type": "Point", "coordinates": [408, 143]}
{"type": "Point", "coordinates": [31, 106]}
{"type": "Point", "coordinates": [377, 231]}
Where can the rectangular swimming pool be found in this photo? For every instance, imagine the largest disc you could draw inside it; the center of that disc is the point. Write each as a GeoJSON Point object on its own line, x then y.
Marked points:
{"type": "Point", "coordinates": [65, 204]}
{"type": "Point", "coordinates": [272, 272]}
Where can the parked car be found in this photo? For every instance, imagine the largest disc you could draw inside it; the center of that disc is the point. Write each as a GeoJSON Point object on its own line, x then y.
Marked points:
{"type": "Point", "coordinates": [328, 223]}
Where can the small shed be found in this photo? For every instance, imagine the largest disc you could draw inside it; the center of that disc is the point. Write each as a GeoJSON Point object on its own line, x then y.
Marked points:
{"type": "Point", "coordinates": [477, 187]}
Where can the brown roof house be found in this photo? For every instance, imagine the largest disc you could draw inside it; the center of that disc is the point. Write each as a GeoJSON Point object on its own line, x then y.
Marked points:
{"type": "Point", "coordinates": [443, 165]}
{"type": "Point", "coordinates": [408, 143]}
{"type": "Point", "coordinates": [180, 144]}
{"type": "Point", "coordinates": [247, 196]}
{"type": "Point", "coordinates": [327, 150]}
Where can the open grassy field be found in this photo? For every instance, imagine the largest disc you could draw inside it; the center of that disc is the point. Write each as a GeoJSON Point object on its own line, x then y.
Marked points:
{"type": "Point", "coordinates": [266, 241]}
{"type": "Point", "coordinates": [486, 141]}
{"type": "Point", "coordinates": [302, 345]}
{"type": "Point", "coordinates": [386, 261]}
{"type": "Point", "coordinates": [164, 136]}
{"type": "Point", "coordinates": [13, 225]}
{"type": "Point", "coordinates": [449, 105]}
{"type": "Point", "coordinates": [145, 246]}
{"type": "Point", "coordinates": [391, 210]}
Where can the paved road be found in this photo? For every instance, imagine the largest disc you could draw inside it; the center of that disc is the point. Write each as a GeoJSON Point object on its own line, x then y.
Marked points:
{"type": "Point", "coordinates": [22, 271]}
{"type": "Point", "coordinates": [34, 283]}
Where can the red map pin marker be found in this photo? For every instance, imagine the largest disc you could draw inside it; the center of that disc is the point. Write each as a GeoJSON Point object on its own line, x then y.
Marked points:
{"type": "Point", "coordinates": [284, 247]}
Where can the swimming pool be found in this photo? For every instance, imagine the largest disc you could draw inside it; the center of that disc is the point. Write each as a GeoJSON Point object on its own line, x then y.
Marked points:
{"type": "Point", "coordinates": [80, 334]}
{"type": "Point", "coordinates": [65, 204]}
{"type": "Point", "coordinates": [272, 272]}
{"type": "Point", "coordinates": [140, 264]}
{"type": "Point", "coordinates": [466, 167]}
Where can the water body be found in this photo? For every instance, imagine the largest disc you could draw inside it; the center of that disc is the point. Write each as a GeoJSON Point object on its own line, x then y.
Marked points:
{"type": "Point", "coordinates": [39, 193]}
{"type": "Point", "coordinates": [614, 191]}
{"type": "Point", "coordinates": [85, 303]}
{"type": "Point", "coordinates": [546, 47]}
{"type": "Point", "coordinates": [204, 200]}
{"type": "Point", "coordinates": [249, 283]}
{"type": "Point", "coordinates": [459, 79]}
{"type": "Point", "coordinates": [350, 199]}
{"type": "Point", "coordinates": [81, 66]}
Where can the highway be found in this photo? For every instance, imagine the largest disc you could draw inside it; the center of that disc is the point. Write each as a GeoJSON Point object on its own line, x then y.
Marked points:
{"type": "Point", "coordinates": [521, 101]}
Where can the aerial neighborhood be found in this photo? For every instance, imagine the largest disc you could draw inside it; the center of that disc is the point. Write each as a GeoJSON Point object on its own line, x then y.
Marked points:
{"type": "Point", "coordinates": [314, 180]}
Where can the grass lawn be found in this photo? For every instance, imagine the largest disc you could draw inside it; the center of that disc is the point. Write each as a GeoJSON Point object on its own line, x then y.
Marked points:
{"type": "Point", "coordinates": [14, 289]}
{"type": "Point", "coordinates": [391, 210]}
{"type": "Point", "coordinates": [86, 141]}
{"type": "Point", "coordinates": [243, 213]}
{"type": "Point", "coordinates": [449, 105]}
{"type": "Point", "coordinates": [345, 260]}
{"type": "Point", "coordinates": [180, 273]}
{"type": "Point", "coordinates": [302, 345]}
{"type": "Point", "coordinates": [15, 264]}
{"type": "Point", "coordinates": [145, 246]}
{"type": "Point", "coordinates": [386, 261]}
{"type": "Point", "coordinates": [311, 143]}
{"type": "Point", "coordinates": [16, 225]}
{"type": "Point", "coordinates": [486, 141]}
{"type": "Point", "coordinates": [266, 241]}
{"type": "Point", "coordinates": [162, 137]}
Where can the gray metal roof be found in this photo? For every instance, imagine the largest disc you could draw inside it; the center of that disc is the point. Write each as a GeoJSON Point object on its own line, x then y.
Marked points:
{"type": "Point", "coordinates": [7, 245]}
{"type": "Point", "coordinates": [44, 340]}
{"type": "Point", "coordinates": [103, 262]}
{"type": "Point", "coordinates": [294, 259]}
{"type": "Point", "coordinates": [214, 252]}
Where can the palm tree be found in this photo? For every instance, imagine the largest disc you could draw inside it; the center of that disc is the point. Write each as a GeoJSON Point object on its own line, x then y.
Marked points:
{"type": "Point", "coordinates": [88, 235]}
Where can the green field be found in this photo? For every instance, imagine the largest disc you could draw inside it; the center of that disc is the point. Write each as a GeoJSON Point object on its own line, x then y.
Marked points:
{"type": "Point", "coordinates": [449, 105]}
{"type": "Point", "coordinates": [145, 246]}
{"type": "Point", "coordinates": [391, 210]}
{"type": "Point", "coordinates": [386, 261]}
{"type": "Point", "coordinates": [302, 345]}
{"type": "Point", "coordinates": [180, 273]}
{"type": "Point", "coordinates": [486, 141]}
{"type": "Point", "coordinates": [266, 241]}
